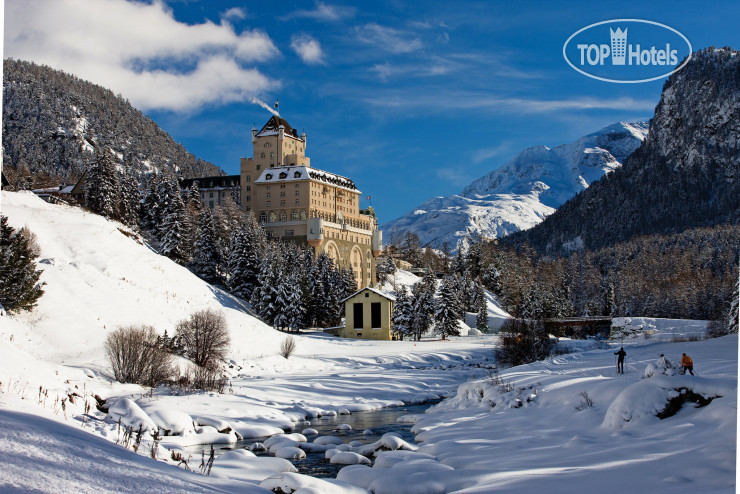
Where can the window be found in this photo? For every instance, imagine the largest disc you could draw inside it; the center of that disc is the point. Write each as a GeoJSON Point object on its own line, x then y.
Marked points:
{"type": "Point", "coordinates": [272, 216]}
{"type": "Point", "coordinates": [267, 144]}
{"type": "Point", "coordinates": [357, 319]}
{"type": "Point", "coordinates": [268, 187]}
{"type": "Point", "coordinates": [260, 166]}
{"type": "Point", "coordinates": [249, 208]}
{"type": "Point", "coordinates": [248, 198]}
{"type": "Point", "coordinates": [294, 215]}
{"type": "Point", "coordinates": [268, 204]}
{"type": "Point", "coordinates": [210, 204]}
{"type": "Point", "coordinates": [375, 315]}
{"type": "Point", "coordinates": [263, 216]}
{"type": "Point", "coordinates": [210, 194]}
{"type": "Point", "coordinates": [282, 194]}
{"type": "Point", "coordinates": [248, 178]}
{"type": "Point", "coordinates": [248, 188]}
{"type": "Point", "coordinates": [283, 175]}
{"type": "Point", "coordinates": [268, 176]}
{"type": "Point", "coordinates": [262, 155]}
{"type": "Point", "coordinates": [303, 214]}
{"type": "Point", "coordinates": [272, 155]}
{"type": "Point", "coordinates": [289, 233]}
{"type": "Point", "coordinates": [282, 202]}
{"type": "Point", "coordinates": [283, 216]}
{"type": "Point", "coordinates": [297, 193]}
{"type": "Point", "coordinates": [297, 202]}
{"type": "Point", "coordinates": [268, 195]}
{"type": "Point", "coordinates": [297, 175]}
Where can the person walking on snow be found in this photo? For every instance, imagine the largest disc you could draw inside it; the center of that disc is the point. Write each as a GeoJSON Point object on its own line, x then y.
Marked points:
{"type": "Point", "coordinates": [687, 364]}
{"type": "Point", "coordinates": [620, 360]}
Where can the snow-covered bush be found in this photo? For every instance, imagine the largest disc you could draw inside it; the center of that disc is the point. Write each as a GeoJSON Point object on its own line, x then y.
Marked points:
{"type": "Point", "coordinates": [135, 356]}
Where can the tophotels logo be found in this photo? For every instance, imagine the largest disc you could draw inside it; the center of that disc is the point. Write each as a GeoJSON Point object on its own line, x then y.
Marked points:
{"type": "Point", "coordinates": [651, 52]}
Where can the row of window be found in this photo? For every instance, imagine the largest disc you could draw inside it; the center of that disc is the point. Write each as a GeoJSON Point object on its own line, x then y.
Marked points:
{"type": "Point", "coordinates": [272, 216]}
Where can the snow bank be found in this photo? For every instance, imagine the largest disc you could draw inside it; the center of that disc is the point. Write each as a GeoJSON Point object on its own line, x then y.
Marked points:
{"type": "Point", "coordinates": [129, 414]}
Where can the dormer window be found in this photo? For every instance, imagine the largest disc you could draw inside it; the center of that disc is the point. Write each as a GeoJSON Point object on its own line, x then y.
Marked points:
{"type": "Point", "coordinates": [297, 175]}
{"type": "Point", "coordinates": [283, 175]}
{"type": "Point", "coordinates": [268, 176]}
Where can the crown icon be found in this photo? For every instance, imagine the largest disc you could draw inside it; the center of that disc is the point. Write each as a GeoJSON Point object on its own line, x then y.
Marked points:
{"type": "Point", "coordinates": [619, 45]}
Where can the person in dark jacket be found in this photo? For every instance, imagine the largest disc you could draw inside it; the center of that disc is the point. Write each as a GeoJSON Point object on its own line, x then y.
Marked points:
{"type": "Point", "coordinates": [620, 360]}
{"type": "Point", "coordinates": [687, 364]}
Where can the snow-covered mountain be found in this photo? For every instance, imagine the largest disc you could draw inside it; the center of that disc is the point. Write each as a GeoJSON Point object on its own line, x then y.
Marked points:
{"type": "Point", "coordinates": [521, 193]}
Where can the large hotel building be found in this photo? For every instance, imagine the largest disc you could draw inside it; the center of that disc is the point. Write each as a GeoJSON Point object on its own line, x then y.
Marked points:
{"type": "Point", "coordinates": [295, 202]}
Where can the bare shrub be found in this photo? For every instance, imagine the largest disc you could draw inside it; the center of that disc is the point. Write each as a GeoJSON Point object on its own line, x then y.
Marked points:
{"type": "Point", "coordinates": [523, 342]}
{"type": "Point", "coordinates": [207, 378]}
{"type": "Point", "coordinates": [287, 346]}
{"type": "Point", "coordinates": [205, 337]}
{"type": "Point", "coordinates": [135, 356]}
{"type": "Point", "coordinates": [586, 401]}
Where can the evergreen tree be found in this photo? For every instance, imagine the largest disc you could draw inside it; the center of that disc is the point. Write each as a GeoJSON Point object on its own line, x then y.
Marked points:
{"type": "Point", "coordinates": [172, 232]}
{"type": "Point", "coordinates": [732, 322]}
{"type": "Point", "coordinates": [20, 288]}
{"type": "Point", "coordinates": [243, 267]}
{"type": "Point", "coordinates": [207, 260]}
{"type": "Point", "coordinates": [402, 316]}
{"type": "Point", "coordinates": [423, 303]}
{"type": "Point", "coordinates": [101, 187]}
{"type": "Point", "coordinates": [129, 206]}
{"type": "Point", "coordinates": [288, 304]}
{"type": "Point", "coordinates": [448, 310]}
{"type": "Point", "coordinates": [151, 207]}
{"type": "Point", "coordinates": [264, 297]}
{"type": "Point", "coordinates": [481, 318]}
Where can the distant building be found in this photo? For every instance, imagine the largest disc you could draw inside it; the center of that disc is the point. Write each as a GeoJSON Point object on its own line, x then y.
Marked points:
{"type": "Point", "coordinates": [214, 191]}
{"type": "Point", "coordinates": [296, 202]}
{"type": "Point", "coordinates": [368, 315]}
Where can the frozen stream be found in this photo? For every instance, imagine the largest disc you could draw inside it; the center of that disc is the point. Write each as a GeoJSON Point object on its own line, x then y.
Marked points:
{"type": "Point", "coordinates": [379, 421]}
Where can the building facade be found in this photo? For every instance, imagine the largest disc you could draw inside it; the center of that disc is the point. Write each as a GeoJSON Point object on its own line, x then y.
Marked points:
{"type": "Point", "coordinates": [368, 315]}
{"type": "Point", "coordinates": [215, 191]}
{"type": "Point", "coordinates": [294, 201]}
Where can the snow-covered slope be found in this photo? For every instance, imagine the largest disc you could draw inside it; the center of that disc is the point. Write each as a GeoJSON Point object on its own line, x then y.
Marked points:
{"type": "Point", "coordinates": [521, 193]}
{"type": "Point", "coordinates": [99, 276]}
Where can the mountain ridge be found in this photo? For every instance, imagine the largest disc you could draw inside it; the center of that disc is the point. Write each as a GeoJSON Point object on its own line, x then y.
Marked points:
{"type": "Point", "coordinates": [54, 122]}
{"type": "Point", "coordinates": [522, 192]}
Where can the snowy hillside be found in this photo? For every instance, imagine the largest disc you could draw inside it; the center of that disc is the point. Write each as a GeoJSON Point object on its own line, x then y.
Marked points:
{"type": "Point", "coordinates": [521, 193]}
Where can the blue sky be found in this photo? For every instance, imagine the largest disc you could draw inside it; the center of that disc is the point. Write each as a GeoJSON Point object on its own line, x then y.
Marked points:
{"type": "Point", "coordinates": [409, 99]}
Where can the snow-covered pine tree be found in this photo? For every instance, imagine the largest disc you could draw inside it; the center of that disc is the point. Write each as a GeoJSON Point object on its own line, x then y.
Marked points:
{"type": "Point", "coordinates": [101, 186]}
{"type": "Point", "coordinates": [448, 309]}
{"type": "Point", "coordinates": [20, 288]}
{"type": "Point", "coordinates": [349, 283]}
{"type": "Point", "coordinates": [151, 207]}
{"type": "Point", "coordinates": [423, 305]}
{"type": "Point", "coordinates": [481, 318]}
{"type": "Point", "coordinates": [289, 306]}
{"type": "Point", "coordinates": [264, 295]}
{"type": "Point", "coordinates": [193, 208]}
{"type": "Point", "coordinates": [402, 316]}
{"type": "Point", "coordinates": [173, 232]}
{"type": "Point", "coordinates": [129, 206]}
{"type": "Point", "coordinates": [207, 261]}
{"type": "Point", "coordinates": [732, 323]}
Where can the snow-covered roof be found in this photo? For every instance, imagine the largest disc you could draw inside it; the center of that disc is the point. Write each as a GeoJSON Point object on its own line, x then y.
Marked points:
{"type": "Point", "coordinates": [272, 127]}
{"type": "Point", "coordinates": [374, 290]}
{"type": "Point", "coordinates": [293, 173]}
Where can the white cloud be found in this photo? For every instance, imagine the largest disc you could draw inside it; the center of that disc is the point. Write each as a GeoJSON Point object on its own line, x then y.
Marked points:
{"type": "Point", "coordinates": [234, 13]}
{"type": "Point", "coordinates": [307, 48]}
{"type": "Point", "coordinates": [134, 48]}
{"type": "Point", "coordinates": [323, 12]}
{"type": "Point", "coordinates": [388, 38]}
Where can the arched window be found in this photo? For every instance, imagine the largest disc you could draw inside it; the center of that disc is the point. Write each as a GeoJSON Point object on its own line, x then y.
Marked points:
{"type": "Point", "coordinates": [272, 216]}
{"type": "Point", "coordinates": [283, 216]}
{"type": "Point", "coordinates": [294, 215]}
{"type": "Point", "coordinates": [303, 214]}
{"type": "Point", "coordinates": [263, 217]}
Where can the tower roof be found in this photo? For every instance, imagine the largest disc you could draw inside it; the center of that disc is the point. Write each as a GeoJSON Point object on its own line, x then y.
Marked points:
{"type": "Point", "coordinates": [272, 125]}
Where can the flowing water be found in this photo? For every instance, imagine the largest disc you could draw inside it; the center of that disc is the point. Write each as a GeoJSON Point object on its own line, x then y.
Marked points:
{"type": "Point", "coordinates": [379, 421]}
